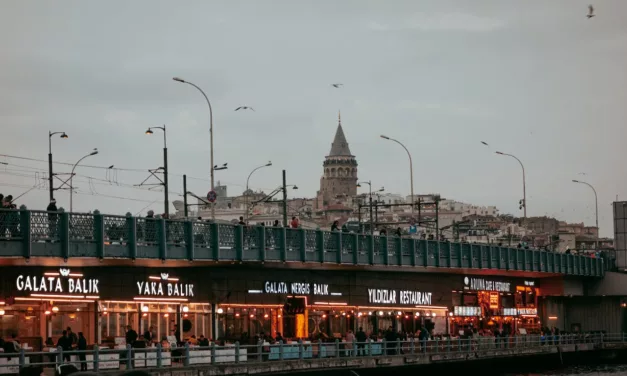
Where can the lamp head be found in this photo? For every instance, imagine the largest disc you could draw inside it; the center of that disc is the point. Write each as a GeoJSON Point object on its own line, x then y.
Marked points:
{"type": "Point", "coordinates": [269, 163]}
{"type": "Point", "coordinates": [382, 189]}
{"type": "Point", "coordinates": [575, 181]}
{"type": "Point", "coordinates": [63, 135]}
{"type": "Point", "coordinates": [499, 153]}
{"type": "Point", "coordinates": [178, 79]}
{"type": "Point", "coordinates": [149, 131]}
{"type": "Point", "coordinates": [358, 185]}
{"type": "Point", "coordinates": [94, 152]}
{"type": "Point", "coordinates": [385, 137]}
{"type": "Point", "coordinates": [294, 187]}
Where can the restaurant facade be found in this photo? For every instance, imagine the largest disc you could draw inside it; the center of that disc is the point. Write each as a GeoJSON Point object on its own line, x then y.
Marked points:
{"type": "Point", "coordinates": [240, 303]}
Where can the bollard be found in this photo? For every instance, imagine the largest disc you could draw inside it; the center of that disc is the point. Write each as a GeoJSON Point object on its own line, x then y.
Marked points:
{"type": "Point", "coordinates": [129, 357]}
{"type": "Point", "coordinates": [213, 353]}
{"type": "Point", "coordinates": [96, 358]}
{"type": "Point", "coordinates": [354, 349]}
{"type": "Point", "coordinates": [22, 358]}
{"type": "Point", "coordinates": [337, 348]}
{"type": "Point", "coordinates": [159, 356]}
{"type": "Point", "coordinates": [236, 351]}
{"type": "Point", "coordinates": [260, 351]}
{"type": "Point", "coordinates": [412, 346]}
{"type": "Point", "coordinates": [301, 349]}
{"type": "Point", "coordinates": [281, 350]}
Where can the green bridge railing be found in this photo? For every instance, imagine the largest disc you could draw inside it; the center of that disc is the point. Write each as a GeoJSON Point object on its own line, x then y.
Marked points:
{"type": "Point", "coordinates": [26, 233]}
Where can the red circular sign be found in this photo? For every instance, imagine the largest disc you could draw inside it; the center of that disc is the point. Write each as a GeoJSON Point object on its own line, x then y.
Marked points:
{"type": "Point", "coordinates": [212, 196]}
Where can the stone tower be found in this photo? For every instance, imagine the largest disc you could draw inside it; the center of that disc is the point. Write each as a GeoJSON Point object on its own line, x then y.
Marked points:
{"type": "Point", "coordinates": [339, 179]}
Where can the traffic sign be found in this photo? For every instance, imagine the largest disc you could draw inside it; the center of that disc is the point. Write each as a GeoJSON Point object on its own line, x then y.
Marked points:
{"type": "Point", "coordinates": [212, 196]}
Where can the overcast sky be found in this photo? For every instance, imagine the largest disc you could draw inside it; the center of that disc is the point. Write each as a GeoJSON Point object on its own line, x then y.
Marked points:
{"type": "Point", "coordinates": [533, 78]}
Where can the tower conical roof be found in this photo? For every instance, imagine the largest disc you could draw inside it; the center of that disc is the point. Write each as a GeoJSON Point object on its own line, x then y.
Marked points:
{"type": "Point", "coordinates": [339, 147]}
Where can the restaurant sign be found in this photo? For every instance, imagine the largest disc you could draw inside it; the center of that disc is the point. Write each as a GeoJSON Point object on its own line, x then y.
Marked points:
{"type": "Point", "coordinates": [483, 284]}
{"type": "Point", "coordinates": [61, 282]}
{"type": "Point", "coordinates": [164, 285]}
{"type": "Point", "coordinates": [295, 288]}
{"type": "Point", "coordinates": [404, 297]}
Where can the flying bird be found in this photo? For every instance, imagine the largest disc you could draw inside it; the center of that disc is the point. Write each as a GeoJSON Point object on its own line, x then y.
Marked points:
{"type": "Point", "coordinates": [337, 86]}
{"type": "Point", "coordinates": [485, 143]}
{"type": "Point", "coordinates": [244, 108]}
{"type": "Point", "coordinates": [590, 11]}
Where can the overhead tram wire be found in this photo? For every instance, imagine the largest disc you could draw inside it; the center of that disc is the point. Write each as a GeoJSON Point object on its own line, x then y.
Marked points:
{"type": "Point", "coordinates": [135, 170]}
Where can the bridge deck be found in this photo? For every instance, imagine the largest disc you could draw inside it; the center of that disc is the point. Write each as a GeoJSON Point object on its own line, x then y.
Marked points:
{"type": "Point", "coordinates": [38, 234]}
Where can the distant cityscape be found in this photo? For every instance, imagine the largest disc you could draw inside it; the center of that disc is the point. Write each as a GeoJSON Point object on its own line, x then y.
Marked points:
{"type": "Point", "coordinates": [433, 216]}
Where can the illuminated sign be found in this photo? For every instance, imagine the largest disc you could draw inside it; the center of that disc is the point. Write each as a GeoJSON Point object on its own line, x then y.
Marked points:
{"type": "Point", "coordinates": [494, 300]}
{"type": "Point", "coordinates": [510, 312]}
{"type": "Point", "coordinates": [164, 285]}
{"type": "Point", "coordinates": [296, 288]}
{"type": "Point", "coordinates": [466, 311]}
{"type": "Point", "coordinates": [528, 311]}
{"type": "Point", "coordinates": [530, 283]}
{"type": "Point", "coordinates": [482, 284]}
{"type": "Point", "coordinates": [62, 282]}
{"type": "Point", "coordinates": [404, 297]}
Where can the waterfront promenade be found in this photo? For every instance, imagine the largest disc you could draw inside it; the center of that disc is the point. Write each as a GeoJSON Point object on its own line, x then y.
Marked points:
{"type": "Point", "coordinates": [81, 238]}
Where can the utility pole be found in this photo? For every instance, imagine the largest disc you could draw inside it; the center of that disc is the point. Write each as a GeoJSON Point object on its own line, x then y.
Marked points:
{"type": "Point", "coordinates": [185, 194]}
{"type": "Point", "coordinates": [371, 223]}
{"type": "Point", "coordinates": [284, 201]}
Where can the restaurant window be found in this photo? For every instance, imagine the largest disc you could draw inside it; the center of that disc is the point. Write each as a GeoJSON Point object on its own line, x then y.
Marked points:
{"type": "Point", "coordinates": [246, 324]}
{"type": "Point", "coordinates": [20, 319]}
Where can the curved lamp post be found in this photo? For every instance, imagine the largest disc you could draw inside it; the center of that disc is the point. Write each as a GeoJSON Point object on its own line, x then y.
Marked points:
{"type": "Point", "coordinates": [247, 180]}
{"type": "Point", "coordinates": [165, 167]}
{"type": "Point", "coordinates": [50, 174]}
{"type": "Point", "coordinates": [177, 79]}
{"type": "Point", "coordinates": [72, 175]}
{"type": "Point", "coordinates": [524, 202]}
{"type": "Point", "coordinates": [411, 171]}
{"type": "Point", "coordinates": [596, 207]}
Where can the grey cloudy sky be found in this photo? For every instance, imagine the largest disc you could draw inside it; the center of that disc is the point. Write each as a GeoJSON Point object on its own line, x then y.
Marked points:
{"type": "Point", "coordinates": [533, 78]}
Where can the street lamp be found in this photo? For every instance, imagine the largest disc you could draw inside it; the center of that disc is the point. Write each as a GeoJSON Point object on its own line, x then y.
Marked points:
{"type": "Point", "coordinates": [247, 180]}
{"type": "Point", "coordinates": [72, 175]}
{"type": "Point", "coordinates": [50, 175]}
{"type": "Point", "coordinates": [596, 208]}
{"type": "Point", "coordinates": [165, 166]}
{"type": "Point", "coordinates": [177, 79]}
{"type": "Point", "coordinates": [411, 171]}
{"type": "Point", "coordinates": [370, 202]}
{"type": "Point", "coordinates": [524, 200]}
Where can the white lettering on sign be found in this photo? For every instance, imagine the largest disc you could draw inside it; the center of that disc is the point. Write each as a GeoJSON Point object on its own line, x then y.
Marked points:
{"type": "Point", "coordinates": [415, 297]}
{"type": "Point", "coordinates": [405, 297]}
{"type": "Point", "coordinates": [527, 311]}
{"type": "Point", "coordinates": [530, 283]}
{"type": "Point", "coordinates": [163, 288]}
{"type": "Point", "coordinates": [296, 288]}
{"type": "Point", "coordinates": [60, 284]}
{"type": "Point", "coordinates": [481, 284]}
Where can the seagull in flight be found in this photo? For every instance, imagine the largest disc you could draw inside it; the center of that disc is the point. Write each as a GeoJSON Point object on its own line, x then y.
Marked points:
{"type": "Point", "coordinates": [485, 143]}
{"type": "Point", "coordinates": [337, 86]}
{"type": "Point", "coordinates": [590, 11]}
{"type": "Point", "coordinates": [244, 108]}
